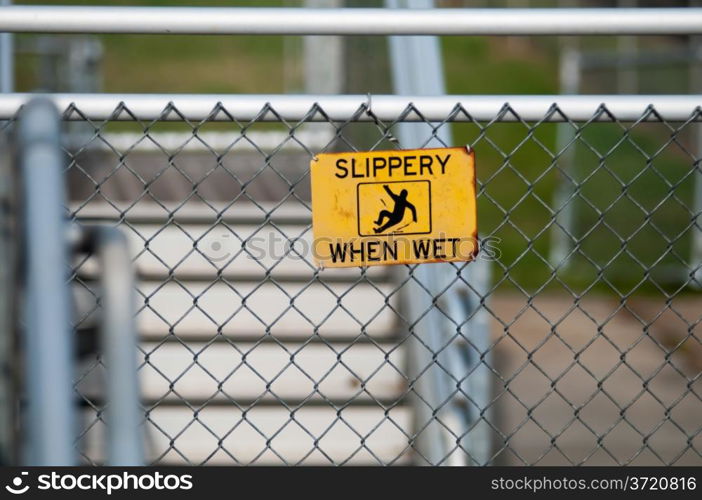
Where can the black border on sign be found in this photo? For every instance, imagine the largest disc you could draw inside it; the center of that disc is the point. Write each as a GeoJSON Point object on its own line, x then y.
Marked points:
{"type": "Point", "coordinates": [358, 208]}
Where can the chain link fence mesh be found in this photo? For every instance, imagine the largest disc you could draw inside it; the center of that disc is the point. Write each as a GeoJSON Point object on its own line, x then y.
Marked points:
{"type": "Point", "coordinates": [583, 339]}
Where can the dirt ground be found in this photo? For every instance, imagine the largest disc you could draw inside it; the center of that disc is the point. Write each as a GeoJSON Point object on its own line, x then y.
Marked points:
{"type": "Point", "coordinates": [598, 382]}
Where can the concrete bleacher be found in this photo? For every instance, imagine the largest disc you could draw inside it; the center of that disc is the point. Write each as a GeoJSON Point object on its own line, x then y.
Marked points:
{"type": "Point", "coordinates": [247, 350]}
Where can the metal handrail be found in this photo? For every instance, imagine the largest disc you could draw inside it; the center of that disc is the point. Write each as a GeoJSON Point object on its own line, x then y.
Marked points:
{"type": "Point", "coordinates": [118, 340]}
{"type": "Point", "coordinates": [48, 340]}
{"type": "Point", "coordinates": [292, 21]}
{"type": "Point", "coordinates": [9, 253]}
{"type": "Point", "coordinates": [389, 108]}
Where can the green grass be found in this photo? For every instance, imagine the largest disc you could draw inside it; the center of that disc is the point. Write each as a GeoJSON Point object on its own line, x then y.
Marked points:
{"type": "Point", "coordinates": [181, 64]}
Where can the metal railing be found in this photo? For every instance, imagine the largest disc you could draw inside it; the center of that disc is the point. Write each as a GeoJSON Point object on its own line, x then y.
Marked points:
{"type": "Point", "coordinates": [48, 340]}
{"type": "Point", "coordinates": [118, 340]}
{"type": "Point", "coordinates": [276, 21]}
{"type": "Point", "coordinates": [365, 108]}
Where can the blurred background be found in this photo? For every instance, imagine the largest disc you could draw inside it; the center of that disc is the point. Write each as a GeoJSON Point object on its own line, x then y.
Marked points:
{"type": "Point", "coordinates": [596, 352]}
{"type": "Point", "coordinates": [472, 65]}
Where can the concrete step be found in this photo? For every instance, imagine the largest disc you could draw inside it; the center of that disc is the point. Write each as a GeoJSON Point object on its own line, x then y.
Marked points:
{"type": "Point", "coordinates": [232, 251]}
{"type": "Point", "coordinates": [253, 310]}
{"type": "Point", "coordinates": [259, 352]}
{"type": "Point", "coordinates": [198, 242]}
{"type": "Point", "coordinates": [198, 175]}
{"type": "Point", "coordinates": [265, 373]}
{"type": "Point", "coordinates": [267, 435]}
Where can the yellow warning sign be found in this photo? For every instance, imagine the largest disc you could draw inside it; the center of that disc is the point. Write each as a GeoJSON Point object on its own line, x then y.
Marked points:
{"type": "Point", "coordinates": [394, 207]}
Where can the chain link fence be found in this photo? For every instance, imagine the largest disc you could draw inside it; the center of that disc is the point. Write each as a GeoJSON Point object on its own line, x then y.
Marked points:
{"type": "Point", "coordinates": [250, 354]}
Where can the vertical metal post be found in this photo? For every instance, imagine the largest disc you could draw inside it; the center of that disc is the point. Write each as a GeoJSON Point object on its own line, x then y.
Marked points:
{"type": "Point", "coordinates": [417, 69]}
{"type": "Point", "coordinates": [696, 254]}
{"type": "Point", "coordinates": [323, 60]}
{"type": "Point", "coordinates": [49, 342]}
{"type": "Point", "coordinates": [627, 76]}
{"type": "Point", "coordinates": [562, 232]}
{"type": "Point", "coordinates": [695, 87]}
{"type": "Point", "coordinates": [79, 69]}
{"type": "Point", "coordinates": [409, 78]}
{"type": "Point", "coordinates": [119, 347]}
{"type": "Point", "coordinates": [7, 59]}
{"type": "Point", "coordinates": [8, 306]}
{"type": "Point", "coordinates": [323, 63]}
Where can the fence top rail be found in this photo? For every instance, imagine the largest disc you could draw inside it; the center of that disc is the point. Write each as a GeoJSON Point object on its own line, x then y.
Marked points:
{"type": "Point", "coordinates": [298, 21]}
{"type": "Point", "coordinates": [386, 108]}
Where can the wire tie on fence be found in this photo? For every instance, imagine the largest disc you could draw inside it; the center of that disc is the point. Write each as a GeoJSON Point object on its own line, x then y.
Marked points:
{"type": "Point", "coordinates": [368, 104]}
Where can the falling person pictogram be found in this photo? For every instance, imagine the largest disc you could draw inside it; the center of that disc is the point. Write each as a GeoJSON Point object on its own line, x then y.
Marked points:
{"type": "Point", "coordinates": [398, 212]}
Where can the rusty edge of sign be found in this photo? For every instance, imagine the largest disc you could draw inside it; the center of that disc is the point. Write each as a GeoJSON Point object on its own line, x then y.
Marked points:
{"type": "Point", "coordinates": [471, 152]}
